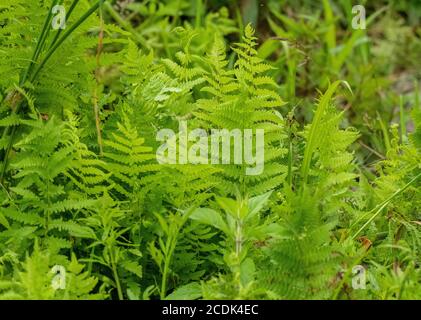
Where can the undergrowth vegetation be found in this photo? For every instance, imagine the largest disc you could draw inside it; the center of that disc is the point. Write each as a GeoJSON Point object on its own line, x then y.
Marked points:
{"type": "Point", "coordinates": [87, 211]}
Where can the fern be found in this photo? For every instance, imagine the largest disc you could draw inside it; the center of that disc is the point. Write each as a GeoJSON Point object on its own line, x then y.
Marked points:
{"type": "Point", "coordinates": [244, 98]}
{"type": "Point", "coordinates": [83, 188]}
{"type": "Point", "coordinates": [34, 280]}
{"type": "Point", "coordinates": [37, 194]}
{"type": "Point", "coordinates": [129, 161]}
{"type": "Point", "coordinates": [301, 264]}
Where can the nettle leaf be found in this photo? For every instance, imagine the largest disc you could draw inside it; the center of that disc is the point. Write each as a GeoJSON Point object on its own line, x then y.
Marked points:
{"type": "Point", "coordinates": [133, 267]}
{"type": "Point", "coordinates": [210, 217]}
{"type": "Point", "coordinates": [257, 203]}
{"type": "Point", "coordinates": [229, 205]}
{"type": "Point", "coordinates": [189, 291]}
{"type": "Point", "coordinates": [248, 270]}
{"type": "Point", "coordinates": [4, 221]}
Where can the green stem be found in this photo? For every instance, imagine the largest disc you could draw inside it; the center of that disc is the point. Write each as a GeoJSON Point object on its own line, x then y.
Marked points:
{"type": "Point", "coordinates": [315, 126]}
{"type": "Point", "coordinates": [125, 25]}
{"type": "Point", "coordinates": [40, 43]}
{"type": "Point", "coordinates": [41, 65]}
{"type": "Point", "coordinates": [238, 238]}
{"type": "Point", "coordinates": [169, 251]}
{"type": "Point", "coordinates": [170, 248]}
{"type": "Point", "coordinates": [47, 216]}
{"type": "Point", "coordinates": [290, 159]}
{"type": "Point", "coordinates": [34, 57]}
{"type": "Point", "coordinates": [64, 37]}
{"type": "Point", "coordinates": [168, 255]}
{"type": "Point", "coordinates": [69, 13]}
{"type": "Point", "coordinates": [6, 155]}
{"type": "Point", "coordinates": [385, 134]}
{"type": "Point", "coordinates": [402, 119]}
{"type": "Point", "coordinates": [199, 9]}
{"type": "Point", "coordinates": [116, 277]}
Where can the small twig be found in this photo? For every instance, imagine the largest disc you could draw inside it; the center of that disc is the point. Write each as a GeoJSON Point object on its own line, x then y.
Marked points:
{"type": "Point", "coordinates": [125, 25]}
{"type": "Point", "coordinates": [372, 150]}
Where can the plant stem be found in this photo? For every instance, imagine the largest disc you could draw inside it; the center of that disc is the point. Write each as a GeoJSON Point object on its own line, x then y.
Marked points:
{"type": "Point", "coordinates": [95, 95]}
{"type": "Point", "coordinates": [402, 119]}
{"type": "Point", "coordinates": [125, 25]}
{"type": "Point", "coordinates": [199, 8]}
{"type": "Point", "coordinates": [40, 44]}
{"type": "Point", "coordinates": [115, 274]}
{"type": "Point", "coordinates": [40, 66]}
{"type": "Point", "coordinates": [315, 126]}
{"type": "Point", "coordinates": [170, 248]}
{"type": "Point", "coordinates": [64, 37]}
{"type": "Point", "coordinates": [6, 155]}
{"type": "Point", "coordinates": [69, 13]}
